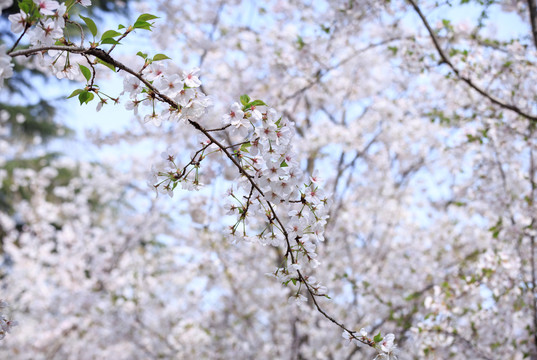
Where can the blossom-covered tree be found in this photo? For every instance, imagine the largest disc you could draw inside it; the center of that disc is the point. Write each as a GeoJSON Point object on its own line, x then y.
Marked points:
{"type": "Point", "coordinates": [386, 193]}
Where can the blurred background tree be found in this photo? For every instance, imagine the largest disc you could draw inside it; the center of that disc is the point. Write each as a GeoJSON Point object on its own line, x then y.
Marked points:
{"type": "Point", "coordinates": [28, 116]}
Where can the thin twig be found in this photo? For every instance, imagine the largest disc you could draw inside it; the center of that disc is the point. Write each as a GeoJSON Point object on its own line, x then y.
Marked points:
{"type": "Point", "coordinates": [81, 31]}
{"type": "Point", "coordinates": [20, 37]}
{"type": "Point", "coordinates": [127, 32]}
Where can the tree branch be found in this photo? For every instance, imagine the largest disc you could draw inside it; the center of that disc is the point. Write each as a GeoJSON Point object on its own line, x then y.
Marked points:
{"type": "Point", "coordinates": [467, 80]}
{"type": "Point", "coordinates": [102, 55]}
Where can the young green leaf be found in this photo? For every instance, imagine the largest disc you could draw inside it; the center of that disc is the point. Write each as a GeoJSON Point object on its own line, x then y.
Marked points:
{"type": "Point", "coordinates": [257, 103]}
{"type": "Point", "coordinates": [144, 25]}
{"type": "Point", "coordinates": [378, 338]}
{"type": "Point", "coordinates": [160, 57]}
{"type": "Point", "coordinates": [141, 54]}
{"type": "Point", "coordinates": [245, 146]}
{"type": "Point", "coordinates": [110, 41]}
{"type": "Point", "coordinates": [75, 93]}
{"type": "Point", "coordinates": [254, 103]}
{"type": "Point", "coordinates": [91, 25]}
{"type": "Point", "coordinates": [85, 97]}
{"type": "Point", "coordinates": [110, 66]}
{"type": "Point", "coordinates": [393, 49]}
{"type": "Point", "coordinates": [85, 71]}
{"type": "Point", "coordinates": [26, 6]}
{"type": "Point", "coordinates": [245, 99]}
{"type": "Point", "coordinates": [142, 22]}
{"type": "Point", "coordinates": [300, 42]}
{"type": "Point", "coordinates": [110, 34]}
{"type": "Point", "coordinates": [146, 17]}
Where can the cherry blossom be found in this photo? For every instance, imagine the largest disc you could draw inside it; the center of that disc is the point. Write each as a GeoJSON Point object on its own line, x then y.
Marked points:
{"type": "Point", "coordinates": [382, 174]}
{"type": "Point", "coordinates": [6, 66]}
{"type": "Point", "coordinates": [47, 7]}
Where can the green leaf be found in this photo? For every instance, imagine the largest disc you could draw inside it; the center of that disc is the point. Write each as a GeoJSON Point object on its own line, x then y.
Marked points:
{"type": "Point", "coordinates": [251, 104]}
{"type": "Point", "coordinates": [121, 27]}
{"type": "Point", "coordinates": [283, 164]}
{"type": "Point", "coordinates": [26, 6]}
{"type": "Point", "coordinates": [91, 25]}
{"type": "Point", "coordinates": [141, 54]}
{"type": "Point", "coordinates": [497, 228]}
{"type": "Point", "coordinates": [146, 17]}
{"type": "Point", "coordinates": [413, 296]}
{"type": "Point", "coordinates": [110, 34]}
{"type": "Point", "coordinates": [300, 42]}
{"type": "Point", "coordinates": [110, 66]}
{"type": "Point", "coordinates": [160, 57]}
{"type": "Point", "coordinates": [245, 99]}
{"type": "Point", "coordinates": [75, 93]}
{"type": "Point", "coordinates": [257, 103]}
{"type": "Point", "coordinates": [245, 146]}
{"type": "Point", "coordinates": [294, 281]}
{"type": "Point", "coordinates": [85, 71]}
{"type": "Point", "coordinates": [110, 41]}
{"type": "Point", "coordinates": [144, 25]}
{"type": "Point", "coordinates": [85, 97]}
{"type": "Point", "coordinates": [141, 24]}
{"type": "Point", "coordinates": [378, 338]}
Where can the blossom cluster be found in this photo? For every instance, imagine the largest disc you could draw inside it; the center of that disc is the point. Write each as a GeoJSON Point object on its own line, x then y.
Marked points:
{"type": "Point", "coordinates": [290, 212]}
{"type": "Point", "coordinates": [189, 103]}
{"type": "Point", "coordinates": [385, 346]}
{"type": "Point", "coordinates": [269, 196]}
{"type": "Point", "coordinates": [48, 16]}
{"type": "Point", "coordinates": [43, 21]}
{"type": "Point", "coordinates": [167, 174]}
{"type": "Point", "coordinates": [275, 203]}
